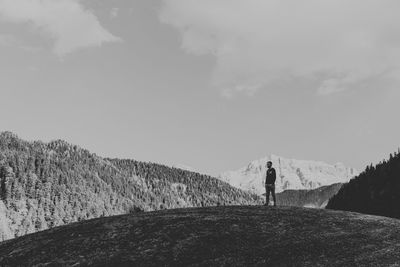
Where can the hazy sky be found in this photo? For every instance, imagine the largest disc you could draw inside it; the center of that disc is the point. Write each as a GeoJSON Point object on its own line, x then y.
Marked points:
{"type": "Point", "coordinates": [211, 84]}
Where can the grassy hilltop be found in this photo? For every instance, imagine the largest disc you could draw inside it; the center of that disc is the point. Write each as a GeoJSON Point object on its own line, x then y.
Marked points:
{"type": "Point", "coordinates": [214, 236]}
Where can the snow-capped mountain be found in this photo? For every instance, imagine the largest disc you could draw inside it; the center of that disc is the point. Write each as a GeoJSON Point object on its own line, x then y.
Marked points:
{"type": "Point", "coordinates": [291, 174]}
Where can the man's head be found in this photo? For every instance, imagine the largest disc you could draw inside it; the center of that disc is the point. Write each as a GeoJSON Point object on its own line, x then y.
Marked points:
{"type": "Point", "coordinates": [269, 164]}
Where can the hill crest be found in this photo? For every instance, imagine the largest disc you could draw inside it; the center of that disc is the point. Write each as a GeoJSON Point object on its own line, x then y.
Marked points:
{"type": "Point", "coordinates": [215, 236]}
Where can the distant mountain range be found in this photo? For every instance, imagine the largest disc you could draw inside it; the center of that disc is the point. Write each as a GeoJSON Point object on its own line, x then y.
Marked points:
{"type": "Point", "coordinates": [43, 185]}
{"type": "Point", "coordinates": [291, 174]}
{"type": "Point", "coordinates": [375, 191]}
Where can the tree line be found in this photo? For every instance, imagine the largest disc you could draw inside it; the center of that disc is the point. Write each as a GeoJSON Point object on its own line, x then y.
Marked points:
{"type": "Point", "coordinates": [375, 191]}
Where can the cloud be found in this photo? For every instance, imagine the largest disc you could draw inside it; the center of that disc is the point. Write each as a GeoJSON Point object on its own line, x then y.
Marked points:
{"type": "Point", "coordinates": [341, 43]}
{"type": "Point", "coordinates": [67, 22]}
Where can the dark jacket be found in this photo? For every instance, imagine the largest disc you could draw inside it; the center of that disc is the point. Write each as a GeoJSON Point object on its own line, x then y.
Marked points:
{"type": "Point", "coordinates": [271, 176]}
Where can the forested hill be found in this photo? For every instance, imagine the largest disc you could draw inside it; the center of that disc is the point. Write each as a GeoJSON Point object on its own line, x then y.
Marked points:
{"type": "Point", "coordinates": [375, 191]}
{"type": "Point", "coordinates": [43, 185]}
{"type": "Point", "coordinates": [315, 198]}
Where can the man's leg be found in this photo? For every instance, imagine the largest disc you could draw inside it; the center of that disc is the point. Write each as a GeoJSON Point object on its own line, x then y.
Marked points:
{"type": "Point", "coordinates": [267, 189]}
{"type": "Point", "coordinates": [273, 194]}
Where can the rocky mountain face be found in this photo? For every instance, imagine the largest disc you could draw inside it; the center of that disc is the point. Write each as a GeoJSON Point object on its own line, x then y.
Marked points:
{"type": "Point", "coordinates": [43, 185]}
{"type": "Point", "coordinates": [214, 236]}
{"type": "Point", "coordinates": [314, 198]}
{"type": "Point", "coordinates": [375, 191]}
{"type": "Point", "coordinates": [291, 174]}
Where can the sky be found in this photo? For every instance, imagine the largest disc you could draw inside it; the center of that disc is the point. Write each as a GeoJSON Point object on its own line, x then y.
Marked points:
{"type": "Point", "coordinates": [211, 84]}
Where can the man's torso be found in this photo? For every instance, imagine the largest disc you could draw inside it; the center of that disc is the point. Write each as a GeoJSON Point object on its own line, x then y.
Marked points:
{"type": "Point", "coordinates": [271, 176]}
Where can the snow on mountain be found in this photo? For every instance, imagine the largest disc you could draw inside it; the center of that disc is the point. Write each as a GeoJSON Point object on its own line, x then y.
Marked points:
{"type": "Point", "coordinates": [291, 174]}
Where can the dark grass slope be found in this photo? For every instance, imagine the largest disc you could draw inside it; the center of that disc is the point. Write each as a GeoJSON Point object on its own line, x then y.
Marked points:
{"type": "Point", "coordinates": [217, 236]}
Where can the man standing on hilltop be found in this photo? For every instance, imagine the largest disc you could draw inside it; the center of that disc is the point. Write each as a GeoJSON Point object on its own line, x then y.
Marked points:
{"type": "Point", "coordinates": [270, 183]}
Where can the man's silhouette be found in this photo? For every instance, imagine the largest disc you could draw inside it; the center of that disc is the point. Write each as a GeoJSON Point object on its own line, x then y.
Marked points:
{"type": "Point", "coordinates": [270, 183]}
